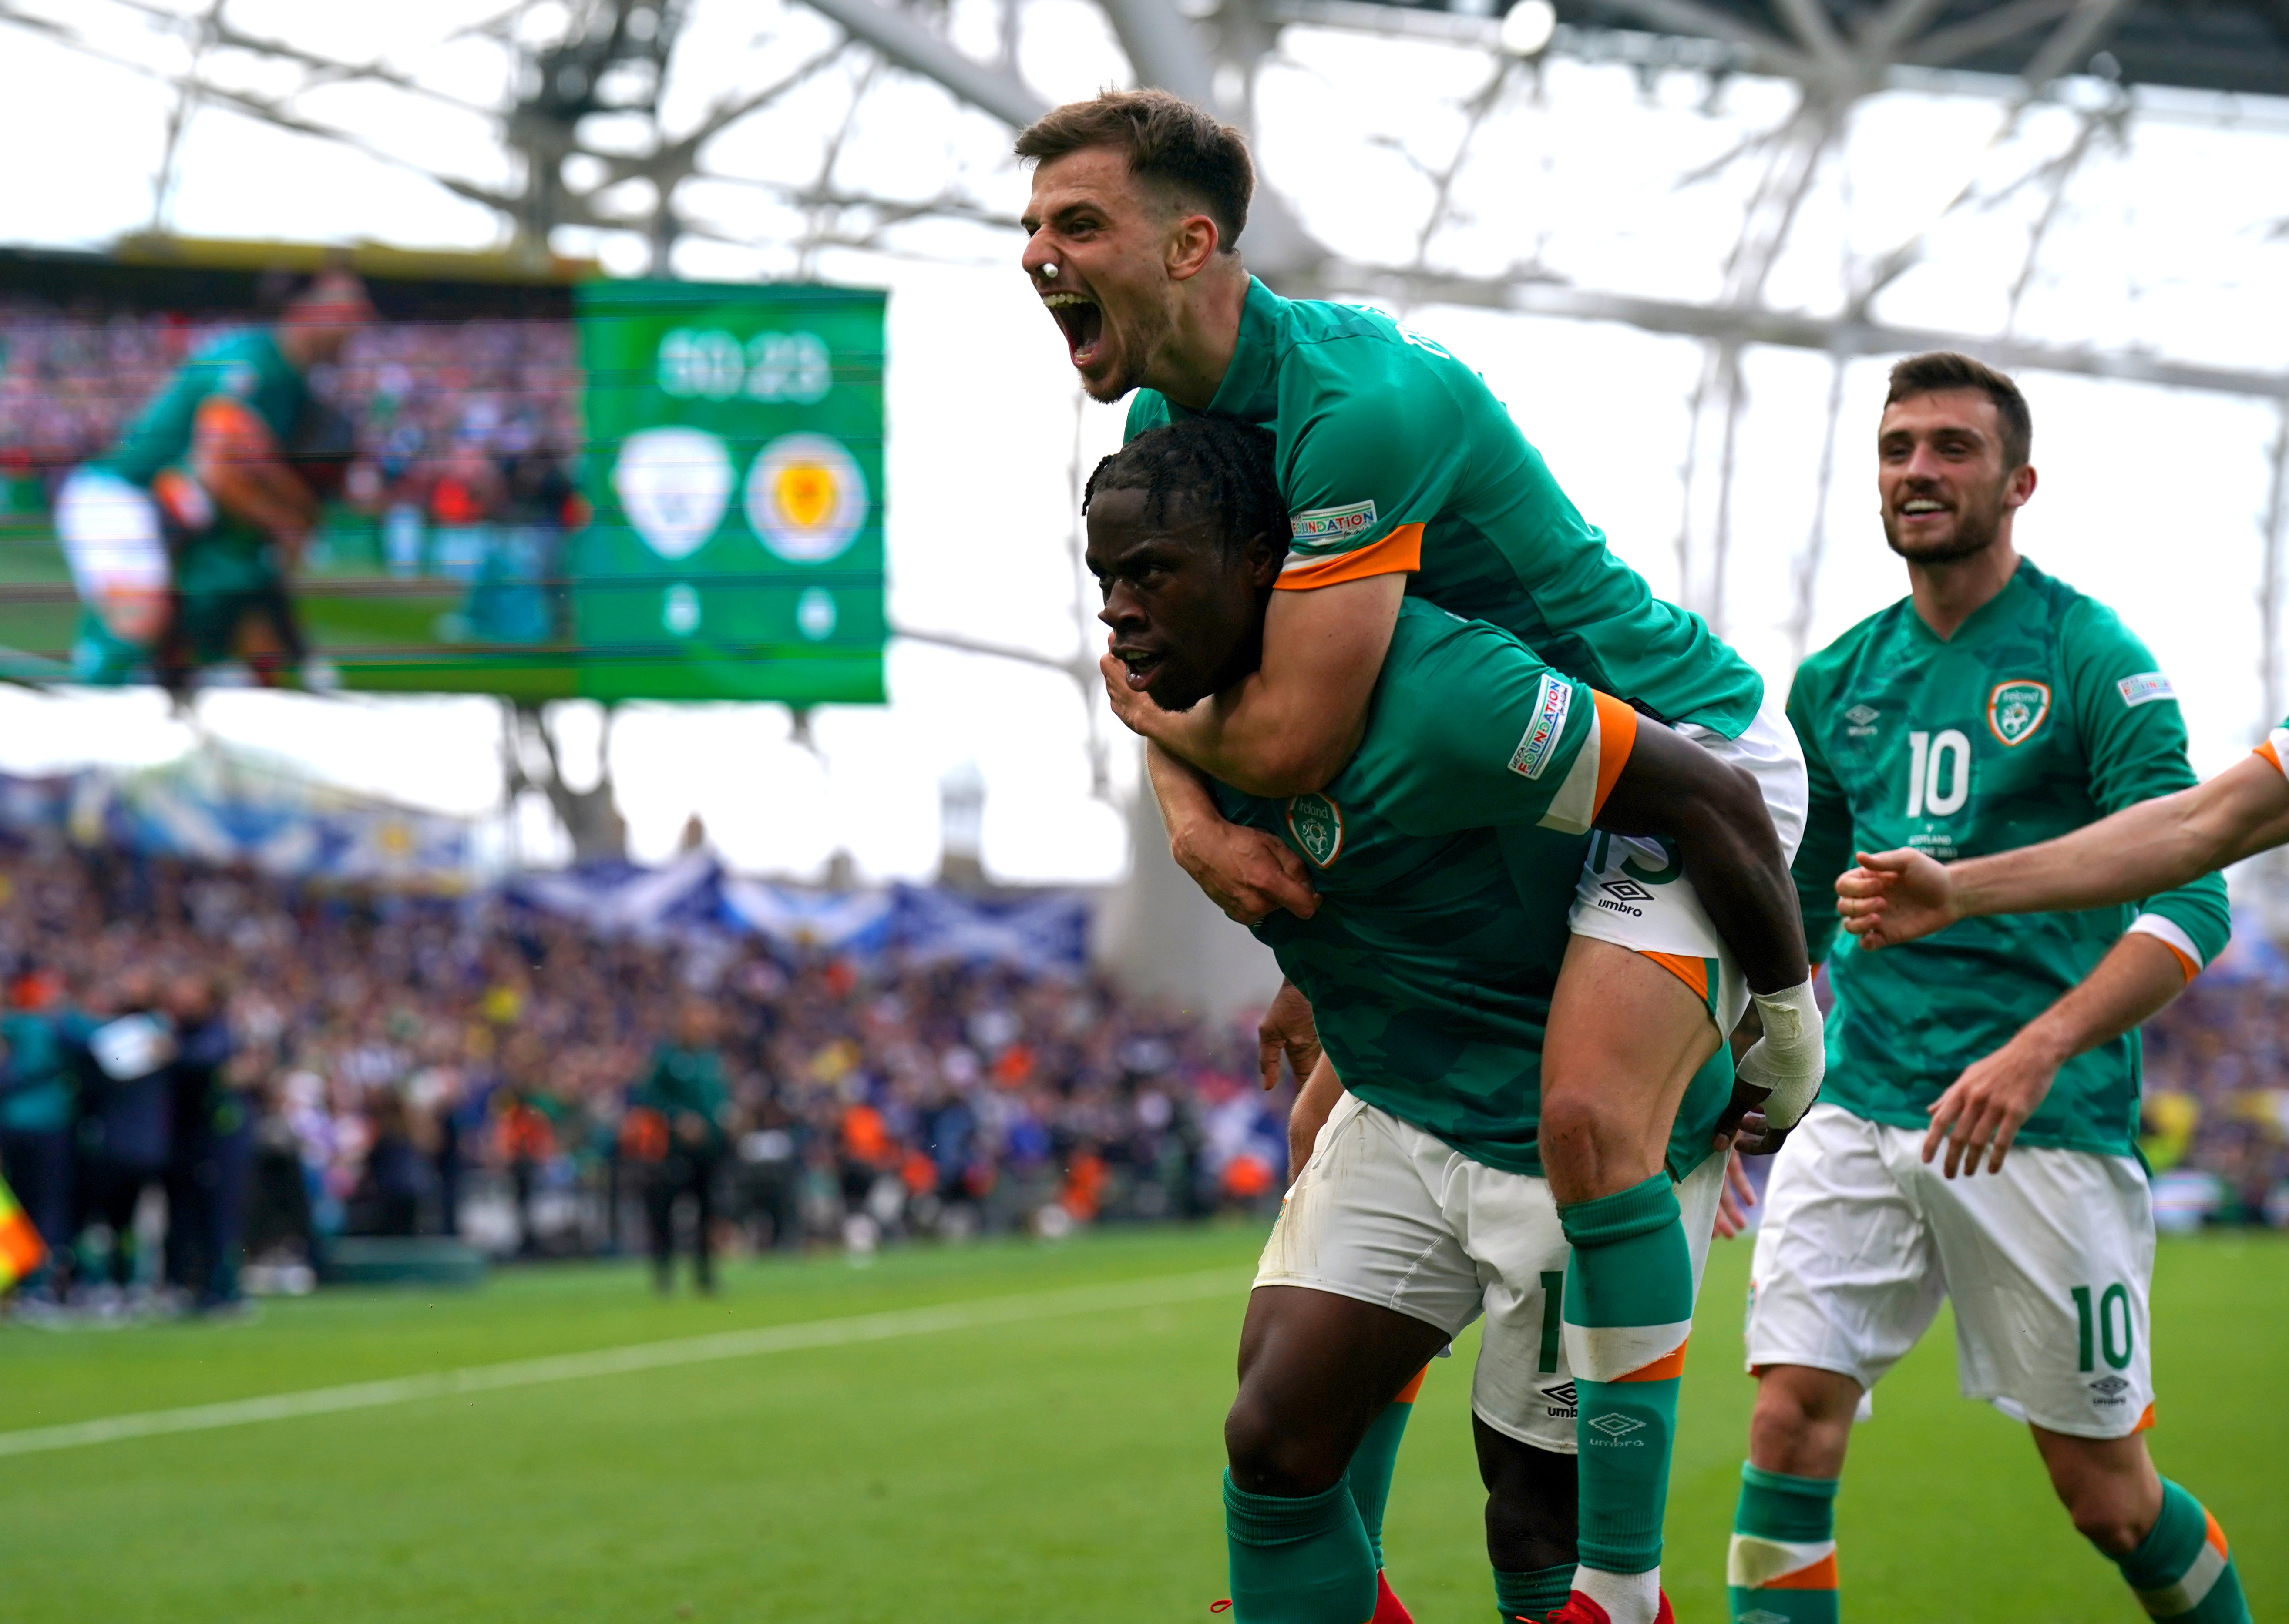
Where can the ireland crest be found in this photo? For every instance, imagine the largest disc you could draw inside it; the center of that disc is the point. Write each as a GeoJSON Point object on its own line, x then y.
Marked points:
{"type": "Point", "coordinates": [2015, 710]}
{"type": "Point", "coordinates": [1317, 823]}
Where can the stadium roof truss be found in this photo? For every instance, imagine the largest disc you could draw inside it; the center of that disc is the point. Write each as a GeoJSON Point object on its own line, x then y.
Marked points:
{"type": "Point", "coordinates": [860, 124]}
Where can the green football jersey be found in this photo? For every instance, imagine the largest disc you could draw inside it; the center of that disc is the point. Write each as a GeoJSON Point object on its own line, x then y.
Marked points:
{"type": "Point", "coordinates": [1393, 455]}
{"type": "Point", "coordinates": [1445, 854]}
{"type": "Point", "coordinates": [2042, 713]}
{"type": "Point", "coordinates": [247, 366]}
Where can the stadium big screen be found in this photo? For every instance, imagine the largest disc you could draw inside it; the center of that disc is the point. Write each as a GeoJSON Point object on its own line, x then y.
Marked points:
{"type": "Point", "coordinates": [537, 484]}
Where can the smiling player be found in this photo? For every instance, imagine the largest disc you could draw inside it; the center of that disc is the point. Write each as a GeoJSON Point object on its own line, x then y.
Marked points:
{"type": "Point", "coordinates": [1402, 475]}
{"type": "Point", "coordinates": [1992, 706]}
{"type": "Point", "coordinates": [1447, 848]}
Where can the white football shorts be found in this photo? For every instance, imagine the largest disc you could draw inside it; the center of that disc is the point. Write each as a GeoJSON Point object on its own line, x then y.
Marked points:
{"type": "Point", "coordinates": [2047, 1263]}
{"type": "Point", "coordinates": [1632, 893]}
{"type": "Point", "coordinates": [1390, 1215]}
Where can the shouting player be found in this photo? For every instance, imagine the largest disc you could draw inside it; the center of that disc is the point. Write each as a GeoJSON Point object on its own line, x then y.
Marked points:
{"type": "Point", "coordinates": [1975, 1138]}
{"type": "Point", "coordinates": [1403, 475]}
{"type": "Point", "coordinates": [183, 539]}
{"type": "Point", "coordinates": [1447, 848]}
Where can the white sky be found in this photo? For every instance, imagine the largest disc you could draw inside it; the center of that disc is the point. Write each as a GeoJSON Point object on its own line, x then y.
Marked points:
{"type": "Point", "coordinates": [2151, 499]}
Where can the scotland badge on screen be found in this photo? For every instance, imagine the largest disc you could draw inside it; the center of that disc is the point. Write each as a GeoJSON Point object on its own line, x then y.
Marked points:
{"type": "Point", "coordinates": [734, 473]}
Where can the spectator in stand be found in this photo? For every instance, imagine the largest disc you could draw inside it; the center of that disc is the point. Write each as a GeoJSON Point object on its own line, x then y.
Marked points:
{"type": "Point", "coordinates": [126, 1128]}
{"type": "Point", "coordinates": [684, 1090]}
{"type": "Point", "coordinates": [192, 1004]}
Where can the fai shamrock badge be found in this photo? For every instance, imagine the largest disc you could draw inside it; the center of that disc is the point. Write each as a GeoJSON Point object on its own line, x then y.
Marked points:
{"type": "Point", "coordinates": [2015, 710]}
{"type": "Point", "coordinates": [1317, 823]}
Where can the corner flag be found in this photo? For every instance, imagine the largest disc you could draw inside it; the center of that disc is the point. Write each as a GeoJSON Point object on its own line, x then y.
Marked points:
{"type": "Point", "coordinates": [21, 1250]}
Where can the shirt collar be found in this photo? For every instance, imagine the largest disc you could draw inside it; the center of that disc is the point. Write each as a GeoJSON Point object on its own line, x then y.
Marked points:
{"type": "Point", "coordinates": [1250, 389]}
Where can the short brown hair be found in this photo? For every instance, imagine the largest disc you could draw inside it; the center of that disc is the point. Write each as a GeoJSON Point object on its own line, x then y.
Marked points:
{"type": "Point", "coordinates": [1941, 370]}
{"type": "Point", "coordinates": [1191, 156]}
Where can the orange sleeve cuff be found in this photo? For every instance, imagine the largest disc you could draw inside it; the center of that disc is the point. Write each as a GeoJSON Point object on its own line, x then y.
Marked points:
{"type": "Point", "coordinates": [1618, 735]}
{"type": "Point", "coordinates": [2184, 963]}
{"type": "Point", "coordinates": [1400, 553]}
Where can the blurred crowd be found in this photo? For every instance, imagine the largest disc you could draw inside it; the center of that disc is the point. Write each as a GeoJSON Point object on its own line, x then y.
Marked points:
{"type": "Point", "coordinates": [213, 1077]}
{"type": "Point", "coordinates": [457, 422]}
{"type": "Point", "coordinates": [2217, 1100]}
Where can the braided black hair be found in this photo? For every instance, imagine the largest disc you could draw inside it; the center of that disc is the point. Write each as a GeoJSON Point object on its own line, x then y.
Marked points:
{"type": "Point", "coordinates": [1223, 467]}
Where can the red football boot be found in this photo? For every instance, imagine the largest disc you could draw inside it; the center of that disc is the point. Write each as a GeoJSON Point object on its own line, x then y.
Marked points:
{"type": "Point", "coordinates": [1387, 1608]}
{"type": "Point", "coordinates": [1579, 1609]}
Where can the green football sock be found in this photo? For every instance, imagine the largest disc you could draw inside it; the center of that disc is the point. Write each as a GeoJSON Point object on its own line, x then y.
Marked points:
{"type": "Point", "coordinates": [2181, 1569]}
{"type": "Point", "coordinates": [1629, 1310]}
{"type": "Point", "coordinates": [1532, 1595]}
{"type": "Point", "coordinates": [1373, 1462]}
{"type": "Point", "coordinates": [1783, 1564]}
{"type": "Point", "coordinates": [1301, 1561]}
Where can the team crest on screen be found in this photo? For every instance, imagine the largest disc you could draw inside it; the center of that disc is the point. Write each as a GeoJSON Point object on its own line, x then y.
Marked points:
{"type": "Point", "coordinates": [1317, 823]}
{"type": "Point", "coordinates": [2015, 710]}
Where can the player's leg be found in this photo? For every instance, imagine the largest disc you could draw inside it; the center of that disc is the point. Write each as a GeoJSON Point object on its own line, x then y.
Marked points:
{"type": "Point", "coordinates": [1530, 1522]}
{"type": "Point", "coordinates": [2170, 1549]}
{"type": "Point", "coordinates": [1525, 1394]}
{"type": "Point", "coordinates": [2049, 1262]}
{"type": "Point", "coordinates": [1369, 1478]}
{"type": "Point", "coordinates": [1523, 1399]}
{"type": "Point", "coordinates": [1626, 1036]}
{"type": "Point", "coordinates": [1846, 1279]}
{"type": "Point", "coordinates": [1646, 996]}
{"type": "Point", "coordinates": [1316, 1370]}
{"type": "Point", "coordinates": [1361, 1283]}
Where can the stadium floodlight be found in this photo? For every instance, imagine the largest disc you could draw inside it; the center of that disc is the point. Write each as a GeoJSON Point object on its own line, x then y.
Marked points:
{"type": "Point", "coordinates": [1528, 25]}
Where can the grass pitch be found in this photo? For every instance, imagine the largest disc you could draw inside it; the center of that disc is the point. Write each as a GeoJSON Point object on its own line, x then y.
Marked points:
{"type": "Point", "coordinates": [1049, 1465]}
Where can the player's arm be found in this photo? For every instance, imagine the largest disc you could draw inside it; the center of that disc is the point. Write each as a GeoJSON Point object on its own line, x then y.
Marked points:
{"type": "Point", "coordinates": [236, 459]}
{"type": "Point", "coordinates": [1981, 1113]}
{"type": "Point", "coordinates": [1715, 815]}
{"type": "Point", "coordinates": [2157, 845]}
{"type": "Point", "coordinates": [1244, 871]}
{"type": "Point", "coordinates": [1290, 725]}
{"type": "Point", "coordinates": [1366, 463]}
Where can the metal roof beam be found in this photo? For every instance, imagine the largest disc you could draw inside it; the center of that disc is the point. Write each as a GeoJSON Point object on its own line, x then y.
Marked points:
{"type": "Point", "coordinates": [1830, 335]}
{"type": "Point", "coordinates": [907, 43]}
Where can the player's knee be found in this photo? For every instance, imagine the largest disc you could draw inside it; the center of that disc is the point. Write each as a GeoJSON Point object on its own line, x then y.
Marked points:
{"type": "Point", "coordinates": [2107, 1523]}
{"type": "Point", "coordinates": [1802, 1421]}
{"type": "Point", "coordinates": [1274, 1453]}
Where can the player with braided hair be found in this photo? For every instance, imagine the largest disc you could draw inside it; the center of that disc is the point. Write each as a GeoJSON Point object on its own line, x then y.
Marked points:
{"type": "Point", "coordinates": [1449, 845]}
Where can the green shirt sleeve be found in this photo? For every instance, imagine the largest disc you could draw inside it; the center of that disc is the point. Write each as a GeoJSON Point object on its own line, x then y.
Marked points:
{"type": "Point", "coordinates": [2134, 737]}
{"type": "Point", "coordinates": [1826, 850]}
{"type": "Point", "coordinates": [1373, 445]}
{"type": "Point", "coordinates": [1488, 736]}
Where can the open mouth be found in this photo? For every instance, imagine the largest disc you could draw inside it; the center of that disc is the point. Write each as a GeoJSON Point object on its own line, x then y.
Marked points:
{"type": "Point", "coordinates": [1083, 322]}
{"type": "Point", "coordinates": [1142, 665]}
{"type": "Point", "coordinates": [1922, 507]}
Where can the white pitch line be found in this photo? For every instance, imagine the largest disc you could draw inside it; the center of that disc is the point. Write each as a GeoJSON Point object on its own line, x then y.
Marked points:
{"type": "Point", "coordinates": [622, 1361]}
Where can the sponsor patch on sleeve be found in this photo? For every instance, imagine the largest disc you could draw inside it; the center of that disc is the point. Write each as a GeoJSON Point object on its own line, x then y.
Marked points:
{"type": "Point", "coordinates": [1552, 701]}
{"type": "Point", "coordinates": [1331, 527]}
{"type": "Point", "coordinates": [2145, 688]}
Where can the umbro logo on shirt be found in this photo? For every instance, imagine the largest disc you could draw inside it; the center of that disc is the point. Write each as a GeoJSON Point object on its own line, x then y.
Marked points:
{"type": "Point", "coordinates": [1626, 890]}
{"type": "Point", "coordinates": [1863, 718]}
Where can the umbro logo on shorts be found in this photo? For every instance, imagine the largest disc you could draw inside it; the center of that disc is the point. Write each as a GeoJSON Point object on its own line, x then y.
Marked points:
{"type": "Point", "coordinates": [1562, 1399]}
{"type": "Point", "coordinates": [1617, 1425]}
{"type": "Point", "coordinates": [2109, 1389]}
{"type": "Point", "coordinates": [1627, 890]}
